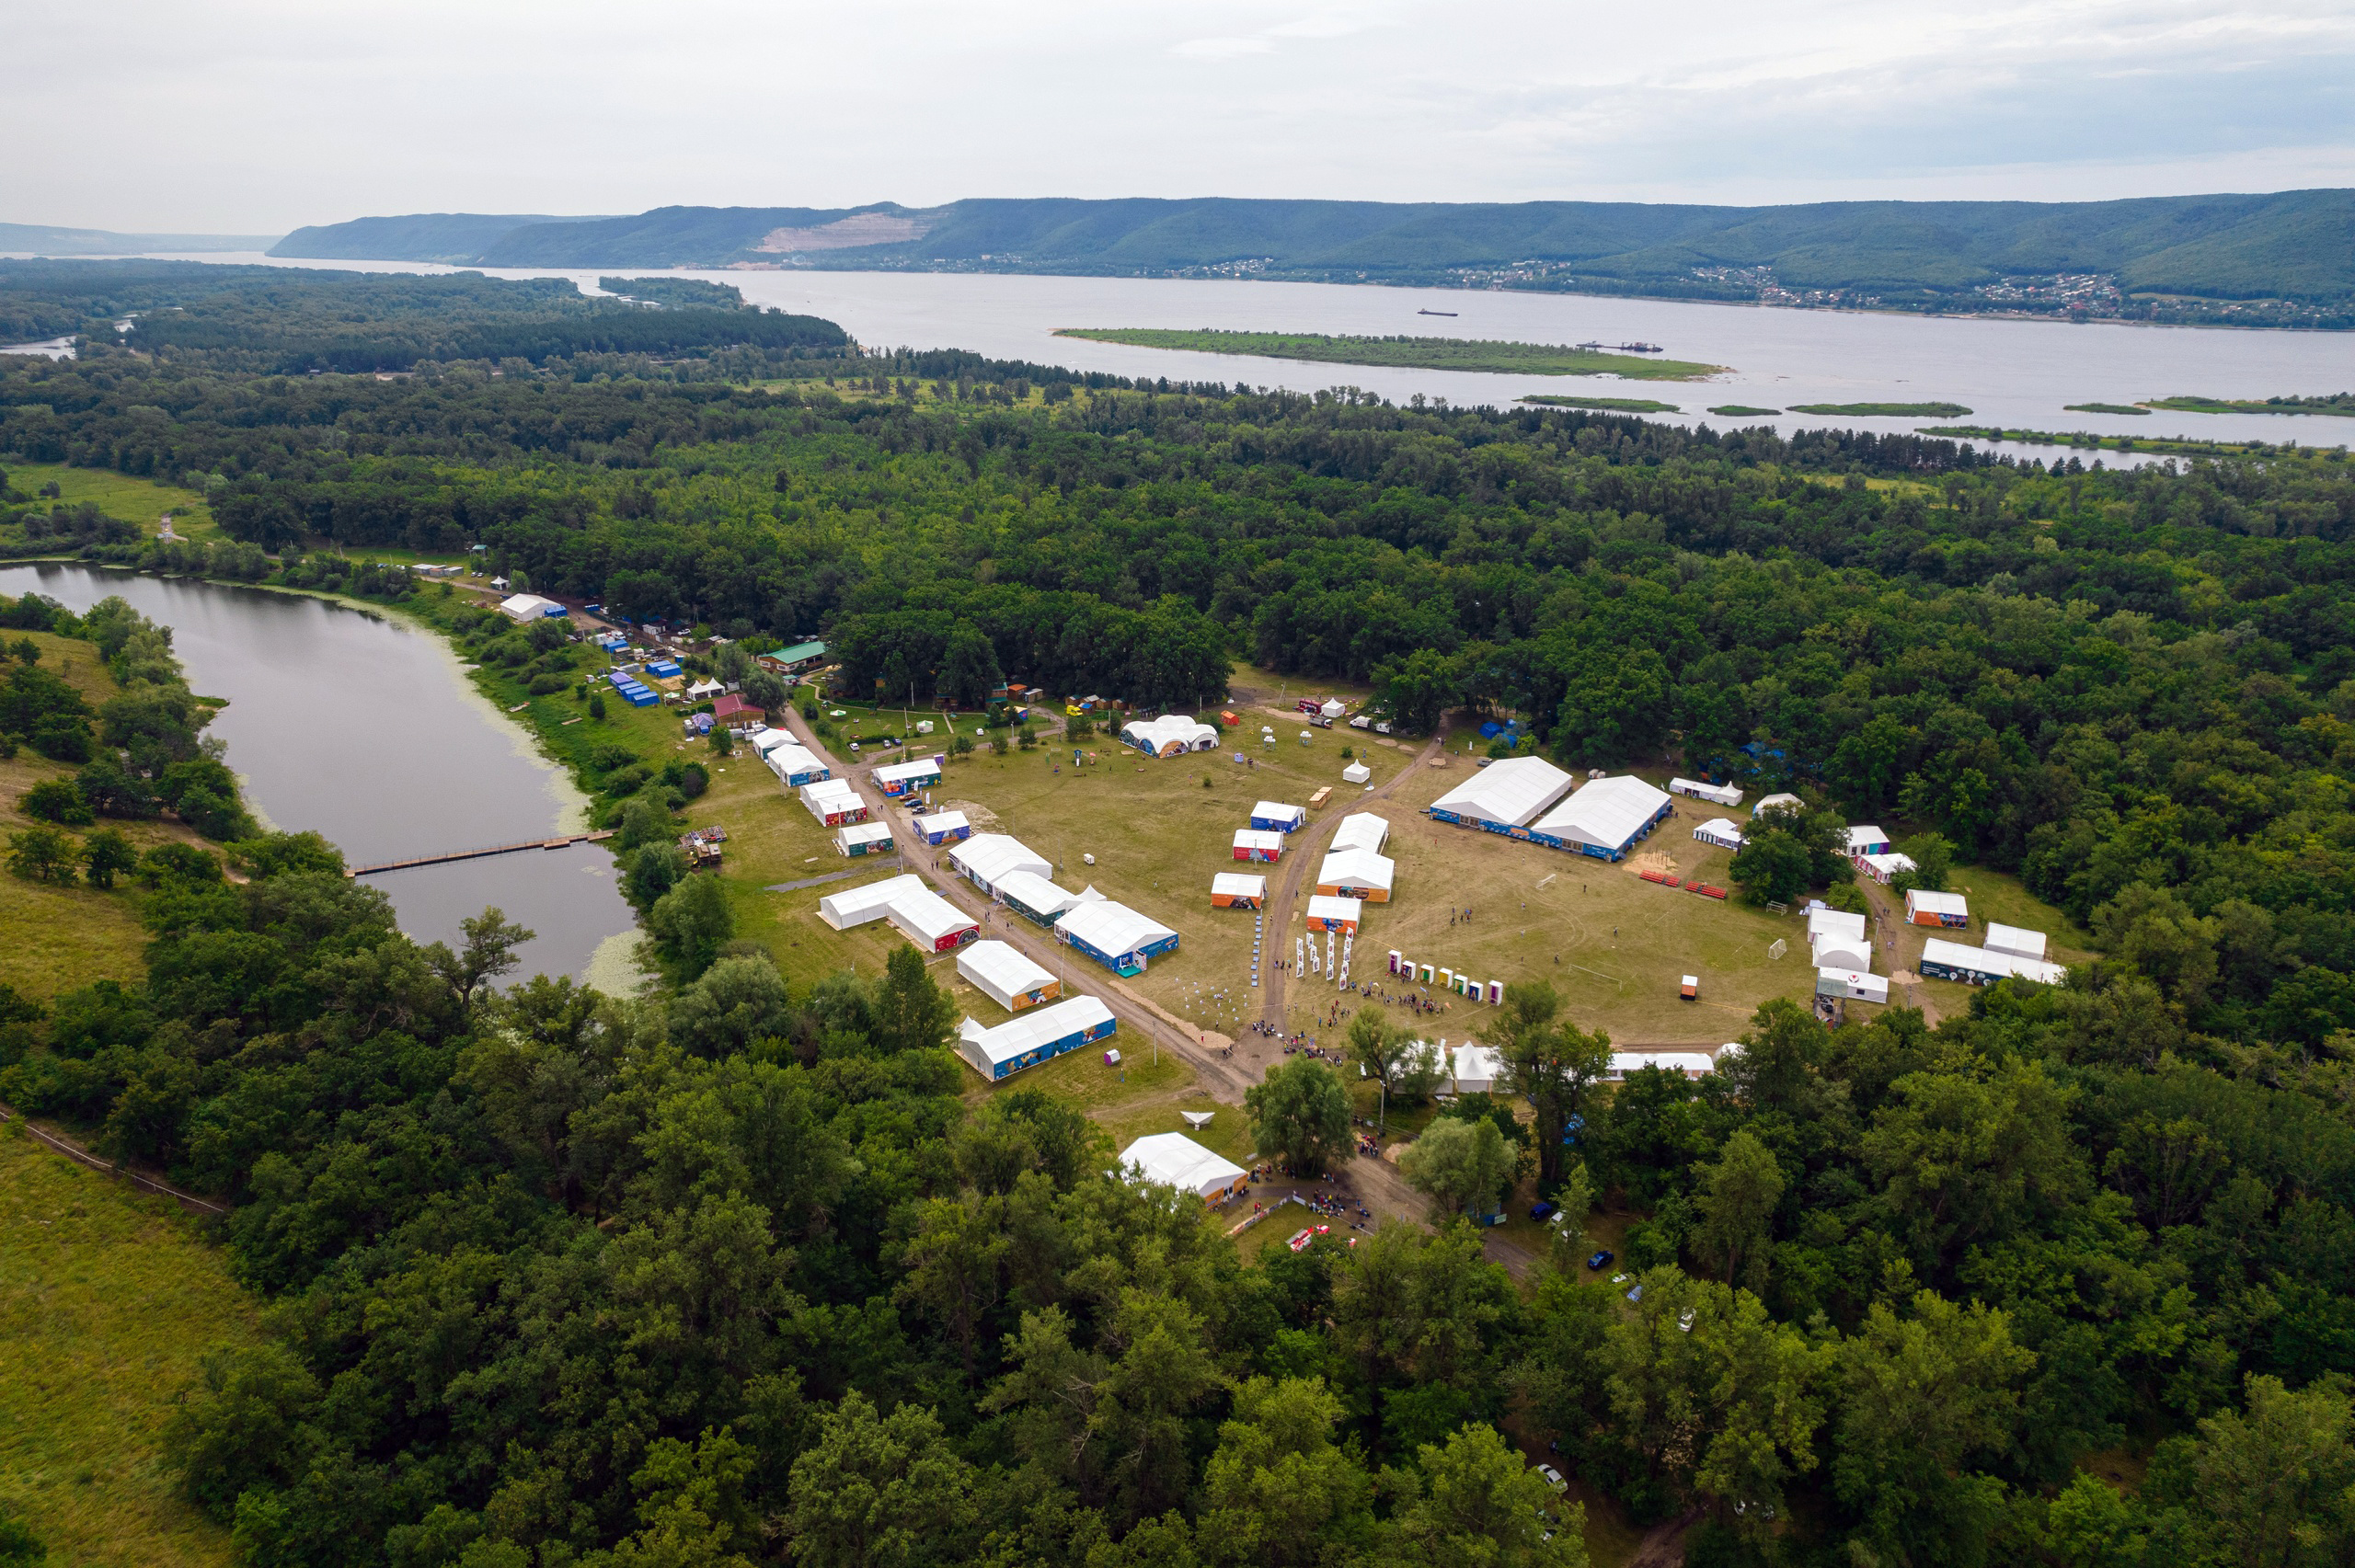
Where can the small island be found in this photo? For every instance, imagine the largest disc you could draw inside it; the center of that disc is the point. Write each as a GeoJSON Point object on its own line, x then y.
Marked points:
{"type": "Point", "coordinates": [1608, 405]}
{"type": "Point", "coordinates": [2134, 408]}
{"type": "Point", "coordinates": [2090, 440]}
{"type": "Point", "coordinates": [1885, 410]}
{"type": "Point", "coordinates": [2339, 403]}
{"type": "Point", "coordinates": [1742, 411]}
{"type": "Point", "coordinates": [1405, 353]}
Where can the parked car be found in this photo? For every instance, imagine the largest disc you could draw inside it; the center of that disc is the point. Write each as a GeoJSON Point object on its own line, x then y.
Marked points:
{"type": "Point", "coordinates": [1552, 1478]}
{"type": "Point", "coordinates": [1636, 1293]}
{"type": "Point", "coordinates": [1358, 721]}
{"type": "Point", "coordinates": [1601, 1260]}
{"type": "Point", "coordinates": [1685, 1320]}
{"type": "Point", "coordinates": [1541, 1212]}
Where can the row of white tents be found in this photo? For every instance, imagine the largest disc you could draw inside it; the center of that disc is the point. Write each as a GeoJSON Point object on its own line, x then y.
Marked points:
{"type": "Point", "coordinates": [1523, 797]}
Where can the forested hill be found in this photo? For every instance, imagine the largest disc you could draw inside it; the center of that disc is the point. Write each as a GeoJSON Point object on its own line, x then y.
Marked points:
{"type": "Point", "coordinates": [2291, 245]}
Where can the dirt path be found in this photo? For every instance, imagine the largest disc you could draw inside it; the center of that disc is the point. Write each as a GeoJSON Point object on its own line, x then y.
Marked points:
{"type": "Point", "coordinates": [1303, 845]}
{"type": "Point", "coordinates": [1889, 931]}
{"type": "Point", "coordinates": [1663, 1544]}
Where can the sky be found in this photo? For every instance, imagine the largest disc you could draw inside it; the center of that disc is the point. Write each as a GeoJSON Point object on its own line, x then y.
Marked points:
{"type": "Point", "coordinates": [256, 116]}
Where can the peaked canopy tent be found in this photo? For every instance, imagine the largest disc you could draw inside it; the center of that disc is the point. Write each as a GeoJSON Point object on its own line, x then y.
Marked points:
{"type": "Point", "coordinates": [834, 802]}
{"type": "Point", "coordinates": [1925, 908]}
{"type": "Point", "coordinates": [1173, 1160]}
{"type": "Point", "coordinates": [1361, 830]}
{"type": "Point", "coordinates": [1171, 735]}
{"type": "Point", "coordinates": [1721, 831]}
{"type": "Point", "coordinates": [1034, 1034]}
{"type": "Point", "coordinates": [858, 905]}
{"type": "Point", "coordinates": [931, 922]}
{"type": "Point", "coordinates": [1503, 795]}
{"type": "Point", "coordinates": [941, 827]}
{"type": "Point", "coordinates": [1778, 803]}
{"type": "Point", "coordinates": [1274, 817]}
{"type": "Point", "coordinates": [705, 688]}
{"type": "Point", "coordinates": [1881, 867]}
{"type": "Point", "coordinates": [1237, 891]}
{"type": "Point", "coordinates": [2014, 940]}
{"type": "Point", "coordinates": [1357, 874]}
{"type": "Point", "coordinates": [1007, 975]}
{"type": "Point", "coordinates": [1605, 818]}
{"type": "Point", "coordinates": [1474, 1069]}
{"type": "Point", "coordinates": [1032, 897]}
{"type": "Point", "coordinates": [985, 857]}
{"type": "Point", "coordinates": [863, 838]}
{"type": "Point", "coordinates": [1701, 789]}
{"type": "Point", "coordinates": [1253, 843]}
{"type": "Point", "coordinates": [1115, 935]}
{"type": "Point", "coordinates": [1693, 1064]}
{"type": "Point", "coordinates": [1357, 773]}
{"type": "Point", "coordinates": [1326, 912]}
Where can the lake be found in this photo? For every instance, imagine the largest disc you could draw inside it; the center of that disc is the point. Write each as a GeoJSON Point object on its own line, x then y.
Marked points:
{"type": "Point", "coordinates": [2008, 372]}
{"type": "Point", "coordinates": [367, 730]}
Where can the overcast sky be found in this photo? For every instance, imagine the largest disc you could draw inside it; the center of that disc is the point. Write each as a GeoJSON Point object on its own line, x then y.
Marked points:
{"type": "Point", "coordinates": [254, 116]}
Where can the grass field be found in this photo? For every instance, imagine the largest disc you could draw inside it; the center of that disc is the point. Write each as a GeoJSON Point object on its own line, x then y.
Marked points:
{"type": "Point", "coordinates": [141, 501]}
{"type": "Point", "coordinates": [1417, 353]}
{"type": "Point", "coordinates": [108, 1302]}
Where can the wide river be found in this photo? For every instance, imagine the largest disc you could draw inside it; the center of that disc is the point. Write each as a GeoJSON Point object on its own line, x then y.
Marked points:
{"type": "Point", "coordinates": [2013, 373]}
{"type": "Point", "coordinates": [367, 730]}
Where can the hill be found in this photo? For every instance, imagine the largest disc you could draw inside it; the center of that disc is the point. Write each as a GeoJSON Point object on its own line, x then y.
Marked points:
{"type": "Point", "coordinates": [2144, 257]}
{"type": "Point", "coordinates": [44, 239]}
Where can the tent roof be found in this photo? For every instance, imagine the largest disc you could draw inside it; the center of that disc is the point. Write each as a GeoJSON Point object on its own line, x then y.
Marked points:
{"type": "Point", "coordinates": [1937, 903]}
{"type": "Point", "coordinates": [1111, 927]}
{"type": "Point", "coordinates": [1863, 833]}
{"type": "Point", "coordinates": [1279, 811]}
{"type": "Point", "coordinates": [1158, 732]}
{"type": "Point", "coordinates": [1606, 812]}
{"type": "Point", "coordinates": [1036, 1026]}
{"type": "Point", "coordinates": [1332, 906]}
{"type": "Point", "coordinates": [1257, 838]}
{"type": "Point", "coordinates": [1362, 866]}
{"type": "Point", "coordinates": [1510, 790]}
{"type": "Point", "coordinates": [1001, 964]}
{"type": "Point", "coordinates": [2015, 939]}
{"type": "Point", "coordinates": [922, 768]}
{"type": "Point", "coordinates": [869, 897]}
{"type": "Point", "coordinates": [1361, 830]}
{"type": "Point", "coordinates": [940, 822]}
{"type": "Point", "coordinates": [1835, 922]}
{"type": "Point", "coordinates": [928, 914]}
{"type": "Point", "coordinates": [1719, 828]}
{"type": "Point", "coordinates": [1476, 1063]}
{"type": "Point", "coordinates": [1693, 1062]}
{"type": "Point", "coordinates": [525, 605]}
{"type": "Point", "coordinates": [1171, 1159]}
{"type": "Point", "coordinates": [1773, 802]}
{"type": "Point", "coordinates": [1890, 863]}
{"type": "Point", "coordinates": [829, 789]}
{"type": "Point", "coordinates": [863, 832]}
{"type": "Point", "coordinates": [1986, 961]}
{"type": "Point", "coordinates": [992, 856]}
{"type": "Point", "coordinates": [1239, 883]}
{"type": "Point", "coordinates": [1033, 891]}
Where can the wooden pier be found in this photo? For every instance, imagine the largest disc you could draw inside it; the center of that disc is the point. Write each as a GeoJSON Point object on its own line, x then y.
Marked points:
{"type": "Point", "coordinates": [562, 842]}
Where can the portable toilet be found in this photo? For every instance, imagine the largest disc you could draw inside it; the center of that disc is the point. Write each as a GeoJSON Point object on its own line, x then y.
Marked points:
{"type": "Point", "coordinates": [1690, 988]}
{"type": "Point", "coordinates": [1431, 972]}
{"type": "Point", "coordinates": [1394, 960]}
{"type": "Point", "coordinates": [1496, 993]}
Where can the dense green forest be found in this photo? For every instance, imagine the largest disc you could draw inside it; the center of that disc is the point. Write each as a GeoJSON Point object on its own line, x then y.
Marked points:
{"type": "Point", "coordinates": [733, 1272]}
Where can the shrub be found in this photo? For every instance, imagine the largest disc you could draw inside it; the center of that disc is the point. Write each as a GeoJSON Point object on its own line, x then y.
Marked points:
{"type": "Point", "coordinates": [548, 684]}
{"type": "Point", "coordinates": [41, 855]}
{"type": "Point", "coordinates": [626, 781]}
{"type": "Point", "coordinates": [57, 800]}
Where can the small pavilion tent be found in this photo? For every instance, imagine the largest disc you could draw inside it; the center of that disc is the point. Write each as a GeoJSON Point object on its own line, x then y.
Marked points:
{"type": "Point", "coordinates": [899, 778]}
{"type": "Point", "coordinates": [1702, 789]}
{"type": "Point", "coordinates": [1605, 818]}
{"type": "Point", "coordinates": [2014, 940]}
{"type": "Point", "coordinates": [985, 857]}
{"type": "Point", "coordinates": [1827, 922]}
{"type": "Point", "coordinates": [1865, 839]}
{"type": "Point", "coordinates": [1842, 952]}
{"type": "Point", "coordinates": [1034, 1034]}
{"type": "Point", "coordinates": [1004, 974]}
{"type": "Point", "coordinates": [1033, 897]}
{"type": "Point", "coordinates": [1881, 867]}
{"type": "Point", "coordinates": [795, 766]}
{"type": "Point", "coordinates": [1721, 831]}
{"type": "Point", "coordinates": [864, 838]}
{"type": "Point", "coordinates": [1333, 708]}
{"type": "Point", "coordinates": [1503, 795]}
{"type": "Point", "coordinates": [1361, 830]}
{"type": "Point", "coordinates": [1173, 1160]}
{"type": "Point", "coordinates": [834, 802]}
{"type": "Point", "coordinates": [1925, 908]}
{"type": "Point", "coordinates": [1252, 843]}
{"type": "Point", "coordinates": [1693, 1064]}
{"type": "Point", "coordinates": [1944, 960]}
{"type": "Point", "coordinates": [1851, 985]}
{"type": "Point", "coordinates": [931, 922]}
{"type": "Point", "coordinates": [705, 688]}
{"type": "Point", "coordinates": [1329, 913]}
{"type": "Point", "coordinates": [1356, 773]}
{"type": "Point", "coordinates": [941, 827]}
{"type": "Point", "coordinates": [1474, 1069]}
{"type": "Point", "coordinates": [1237, 891]}
{"type": "Point", "coordinates": [1357, 874]}
{"type": "Point", "coordinates": [1115, 935]}
{"type": "Point", "coordinates": [1274, 817]}
{"type": "Point", "coordinates": [1171, 735]}
{"type": "Point", "coordinates": [858, 905]}
{"type": "Point", "coordinates": [1778, 803]}
{"type": "Point", "coordinates": [528, 607]}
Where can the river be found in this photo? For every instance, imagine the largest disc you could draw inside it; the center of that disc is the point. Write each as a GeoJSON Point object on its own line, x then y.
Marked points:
{"type": "Point", "coordinates": [366, 729]}
{"type": "Point", "coordinates": [2012, 373]}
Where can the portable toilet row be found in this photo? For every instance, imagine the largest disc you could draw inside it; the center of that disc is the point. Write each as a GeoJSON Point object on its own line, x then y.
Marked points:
{"type": "Point", "coordinates": [1406, 968]}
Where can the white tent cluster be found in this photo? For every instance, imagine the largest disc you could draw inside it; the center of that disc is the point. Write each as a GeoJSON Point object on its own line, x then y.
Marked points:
{"type": "Point", "coordinates": [1171, 735]}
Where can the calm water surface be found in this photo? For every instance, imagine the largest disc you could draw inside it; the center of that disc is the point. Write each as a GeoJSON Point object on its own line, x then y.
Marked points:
{"type": "Point", "coordinates": [367, 730]}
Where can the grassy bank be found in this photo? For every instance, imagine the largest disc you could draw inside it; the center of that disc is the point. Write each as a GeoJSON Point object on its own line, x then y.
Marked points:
{"type": "Point", "coordinates": [1884, 411]}
{"type": "Point", "coordinates": [1405, 353]}
{"type": "Point", "coordinates": [142, 502]}
{"type": "Point", "coordinates": [108, 1300]}
{"type": "Point", "coordinates": [2089, 440]}
{"type": "Point", "coordinates": [1609, 405]}
{"type": "Point", "coordinates": [2341, 404]}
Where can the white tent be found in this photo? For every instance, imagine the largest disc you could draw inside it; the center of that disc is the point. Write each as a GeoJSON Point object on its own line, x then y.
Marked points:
{"type": "Point", "coordinates": [832, 797]}
{"type": "Point", "coordinates": [1721, 831]}
{"type": "Point", "coordinates": [1171, 735]}
{"type": "Point", "coordinates": [1605, 818]}
{"type": "Point", "coordinates": [1865, 839]}
{"type": "Point", "coordinates": [1114, 934]}
{"type": "Point", "coordinates": [705, 688]}
{"type": "Point", "coordinates": [1274, 817]}
{"type": "Point", "coordinates": [1173, 1160]}
{"type": "Point", "coordinates": [1824, 921]}
{"type": "Point", "coordinates": [1333, 708]}
{"type": "Point", "coordinates": [2014, 940]}
{"type": "Point", "coordinates": [1361, 830]}
{"type": "Point", "coordinates": [1778, 803]}
{"type": "Point", "coordinates": [857, 905]}
{"type": "Point", "coordinates": [1031, 894]}
{"type": "Point", "coordinates": [527, 607]}
{"type": "Point", "coordinates": [1034, 1034]}
{"type": "Point", "coordinates": [1842, 952]}
{"type": "Point", "coordinates": [1944, 960]}
{"type": "Point", "coordinates": [1231, 887]}
{"type": "Point", "coordinates": [1252, 843]}
{"type": "Point", "coordinates": [1925, 908]}
{"type": "Point", "coordinates": [1854, 985]}
{"type": "Point", "coordinates": [863, 838]}
{"type": "Point", "coordinates": [1701, 789]}
{"type": "Point", "coordinates": [1356, 773]}
{"type": "Point", "coordinates": [985, 857]}
{"type": "Point", "coordinates": [1881, 867]}
{"type": "Point", "coordinates": [765, 742]}
{"type": "Point", "coordinates": [1007, 975]}
{"type": "Point", "coordinates": [1360, 873]}
{"type": "Point", "coordinates": [899, 778]}
{"type": "Point", "coordinates": [1330, 912]}
{"type": "Point", "coordinates": [931, 922]}
{"type": "Point", "coordinates": [1475, 1069]}
{"type": "Point", "coordinates": [793, 765]}
{"type": "Point", "coordinates": [1693, 1064]}
{"type": "Point", "coordinates": [1505, 794]}
{"type": "Point", "coordinates": [940, 827]}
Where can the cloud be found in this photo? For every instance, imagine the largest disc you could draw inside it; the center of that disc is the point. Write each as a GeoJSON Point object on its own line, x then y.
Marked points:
{"type": "Point", "coordinates": [1222, 47]}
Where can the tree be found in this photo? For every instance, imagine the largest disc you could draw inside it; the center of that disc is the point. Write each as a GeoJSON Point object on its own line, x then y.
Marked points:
{"type": "Point", "coordinates": [737, 1001]}
{"type": "Point", "coordinates": [41, 853]}
{"type": "Point", "coordinates": [1392, 1056]}
{"type": "Point", "coordinates": [1933, 858]}
{"type": "Point", "coordinates": [1550, 1060]}
{"type": "Point", "coordinates": [1278, 1491]}
{"type": "Point", "coordinates": [1770, 867]}
{"type": "Point", "coordinates": [1301, 1114]}
{"type": "Point", "coordinates": [879, 1492]}
{"type": "Point", "coordinates": [58, 801]}
{"type": "Point", "coordinates": [488, 952]}
{"type": "Point", "coordinates": [952, 1264]}
{"type": "Point", "coordinates": [969, 667]}
{"type": "Point", "coordinates": [654, 869]}
{"type": "Point", "coordinates": [1478, 1502]}
{"type": "Point", "coordinates": [911, 1014]}
{"type": "Point", "coordinates": [1464, 1166]}
{"type": "Point", "coordinates": [692, 922]}
{"type": "Point", "coordinates": [1963, 1159]}
{"type": "Point", "coordinates": [2277, 1482]}
{"type": "Point", "coordinates": [766, 690]}
{"type": "Point", "coordinates": [105, 856]}
{"type": "Point", "coordinates": [1736, 1206]}
{"type": "Point", "coordinates": [1419, 688]}
{"type": "Point", "coordinates": [282, 854]}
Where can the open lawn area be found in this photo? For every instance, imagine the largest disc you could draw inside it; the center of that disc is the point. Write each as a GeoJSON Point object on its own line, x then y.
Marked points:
{"type": "Point", "coordinates": [140, 501]}
{"type": "Point", "coordinates": [108, 1300]}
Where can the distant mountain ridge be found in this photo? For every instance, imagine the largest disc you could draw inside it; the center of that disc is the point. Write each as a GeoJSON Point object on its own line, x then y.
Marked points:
{"type": "Point", "coordinates": [47, 239]}
{"type": "Point", "coordinates": [2085, 257]}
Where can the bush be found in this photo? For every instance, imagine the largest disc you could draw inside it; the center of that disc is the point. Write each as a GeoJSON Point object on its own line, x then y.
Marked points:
{"type": "Point", "coordinates": [626, 781]}
{"type": "Point", "coordinates": [42, 854]}
{"type": "Point", "coordinates": [597, 705]}
{"type": "Point", "coordinates": [548, 684]}
{"type": "Point", "coordinates": [57, 800]}
{"type": "Point", "coordinates": [63, 739]}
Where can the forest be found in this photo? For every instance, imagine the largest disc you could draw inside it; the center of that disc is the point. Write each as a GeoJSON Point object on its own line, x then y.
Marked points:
{"type": "Point", "coordinates": [736, 1271]}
